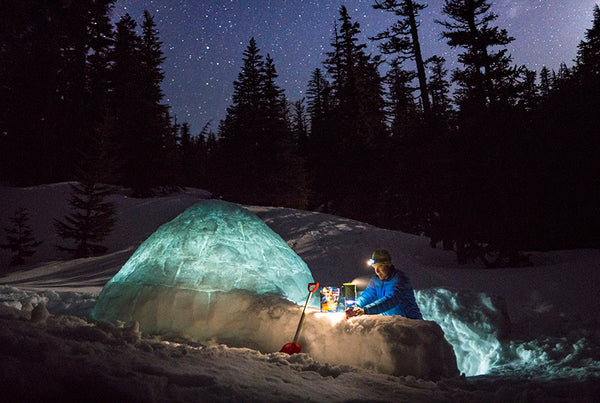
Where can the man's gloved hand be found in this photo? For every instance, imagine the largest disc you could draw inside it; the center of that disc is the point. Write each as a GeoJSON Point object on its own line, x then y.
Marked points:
{"type": "Point", "coordinates": [354, 311]}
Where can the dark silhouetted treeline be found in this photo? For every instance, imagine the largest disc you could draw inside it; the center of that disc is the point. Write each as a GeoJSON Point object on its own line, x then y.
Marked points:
{"type": "Point", "coordinates": [488, 159]}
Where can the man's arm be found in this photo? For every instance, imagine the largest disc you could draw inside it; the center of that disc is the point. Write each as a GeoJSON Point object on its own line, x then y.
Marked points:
{"type": "Point", "coordinates": [367, 296]}
{"type": "Point", "coordinates": [399, 290]}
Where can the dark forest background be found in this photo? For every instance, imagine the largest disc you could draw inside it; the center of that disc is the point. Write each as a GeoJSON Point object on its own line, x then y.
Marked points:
{"type": "Point", "coordinates": [489, 159]}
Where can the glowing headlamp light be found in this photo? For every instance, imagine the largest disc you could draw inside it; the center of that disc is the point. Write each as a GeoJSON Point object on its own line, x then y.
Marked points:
{"type": "Point", "coordinates": [371, 262]}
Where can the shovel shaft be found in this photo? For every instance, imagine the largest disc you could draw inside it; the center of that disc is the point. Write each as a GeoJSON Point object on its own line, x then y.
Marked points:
{"type": "Point", "coordinates": [311, 288]}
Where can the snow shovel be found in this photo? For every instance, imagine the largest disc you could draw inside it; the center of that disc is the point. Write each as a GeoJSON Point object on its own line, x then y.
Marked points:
{"type": "Point", "coordinates": [294, 347]}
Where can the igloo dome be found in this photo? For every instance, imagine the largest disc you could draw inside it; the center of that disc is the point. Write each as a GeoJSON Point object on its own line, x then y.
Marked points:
{"type": "Point", "coordinates": [213, 246]}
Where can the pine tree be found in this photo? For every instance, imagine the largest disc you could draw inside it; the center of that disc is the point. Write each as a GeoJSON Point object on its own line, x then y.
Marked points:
{"type": "Point", "coordinates": [19, 237]}
{"type": "Point", "coordinates": [402, 39]}
{"type": "Point", "coordinates": [402, 102]}
{"type": "Point", "coordinates": [588, 54]}
{"type": "Point", "coordinates": [91, 222]}
{"type": "Point", "coordinates": [439, 89]}
{"type": "Point", "coordinates": [300, 129]}
{"type": "Point", "coordinates": [142, 121]}
{"type": "Point", "coordinates": [545, 86]}
{"type": "Point", "coordinates": [486, 73]}
{"type": "Point", "coordinates": [240, 130]}
{"type": "Point", "coordinates": [257, 157]}
{"type": "Point", "coordinates": [528, 91]}
{"type": "Point", "coordinates": [356, 122]}
{"type": "Point", "coordinates": [318, 96]}
{"type": "Point", "coordinates": [476, 200]}
{"type": "Point", "coordinates": [125, 97]}
{"type": "Point", "coordinates": [93, 218]}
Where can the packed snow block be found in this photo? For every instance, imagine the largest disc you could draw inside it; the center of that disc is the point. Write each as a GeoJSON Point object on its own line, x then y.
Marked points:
{"type": "Point", "coordinates": [213, 246]}
{"type": "Point", "coordinates": [388, 344]}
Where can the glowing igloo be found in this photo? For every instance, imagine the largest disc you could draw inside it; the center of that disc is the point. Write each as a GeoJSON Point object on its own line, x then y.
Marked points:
{"type": "Point", "coordinates": [213, 247]}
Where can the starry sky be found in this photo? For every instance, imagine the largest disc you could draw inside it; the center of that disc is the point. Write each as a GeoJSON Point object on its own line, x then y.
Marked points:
{"type": "Point", "coordinates": [203, 41]}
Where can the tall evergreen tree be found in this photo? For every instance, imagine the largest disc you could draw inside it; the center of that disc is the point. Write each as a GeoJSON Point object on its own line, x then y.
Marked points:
{"type": "Point", "coordinates": [257, 155]}
{"type": "Point", "coordinates": [93, 218]}
{"type": "Point", "coordinates": [486, 72]}
{"type": "Point", "coordinates": [527, 90]}
{"type": "Point", "coordinates": [545, 85]}
{"type": "Point", "coordinates": [359, 116]}
{"type": "Point", "coordinates": [319, 93]}
{"type": "Point", "coordinates": [322, 139]}
{"type": "Point", "coordinates": [402, 38]}
{"type": "Point", "coordinates": [439, 89]}
{"type": "Point", "coordinates": [300, 129]}
{"type": "Point", "coordinates": [588, 54]}
{"type": "Point", "coordinates": [403, 111]}
{"type": "Point", "coordinates": [142, 121]}
{"type": "Point", "coordinates": [479, 199]}
{"type": "Point", "coordinates": [239, 131]}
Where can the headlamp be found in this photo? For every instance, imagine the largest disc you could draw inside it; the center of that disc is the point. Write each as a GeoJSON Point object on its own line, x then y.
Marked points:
{"type": "Point", "coordinates": [371, 262]}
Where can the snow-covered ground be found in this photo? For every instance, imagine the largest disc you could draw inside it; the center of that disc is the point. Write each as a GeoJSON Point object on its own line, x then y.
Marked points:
{"type": "Point", "coordinates": [526, 334]}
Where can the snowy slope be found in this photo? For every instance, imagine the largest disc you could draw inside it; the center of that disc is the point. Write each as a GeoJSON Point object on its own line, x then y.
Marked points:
{"type": "Point", "coordinates": [553, 309]}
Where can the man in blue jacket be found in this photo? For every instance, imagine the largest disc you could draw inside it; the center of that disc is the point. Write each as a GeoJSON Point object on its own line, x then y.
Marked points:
{"type": "Point", "coordinates": [389, 292]}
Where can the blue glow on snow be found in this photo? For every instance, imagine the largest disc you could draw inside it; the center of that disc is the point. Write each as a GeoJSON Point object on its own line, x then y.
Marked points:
{"type": "Point", "coordinates": [217, 246]}
{"type": "Point", "coordinates": [470, 323]}
{"type": "Point", "coordinates": [473, 322]}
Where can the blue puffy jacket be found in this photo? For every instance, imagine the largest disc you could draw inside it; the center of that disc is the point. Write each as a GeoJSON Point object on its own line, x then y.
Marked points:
{"type": "Point", "coordinates": [392, 297]}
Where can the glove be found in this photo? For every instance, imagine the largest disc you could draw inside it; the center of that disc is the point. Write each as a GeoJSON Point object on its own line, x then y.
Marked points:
{"type": "Point", "coordinates": [354, 311]}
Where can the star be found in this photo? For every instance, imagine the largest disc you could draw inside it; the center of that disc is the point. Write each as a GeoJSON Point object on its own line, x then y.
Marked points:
{"type": "Point", "coordinates": [203, 41]}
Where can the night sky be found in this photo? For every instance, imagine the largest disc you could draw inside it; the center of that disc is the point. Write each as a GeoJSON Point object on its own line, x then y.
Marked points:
{"type": "Point", "coordinates": [203, 41]}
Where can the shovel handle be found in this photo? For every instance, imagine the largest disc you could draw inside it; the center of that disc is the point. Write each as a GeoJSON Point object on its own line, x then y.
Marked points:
{"type": "Point", "coordinates": [312, 287]}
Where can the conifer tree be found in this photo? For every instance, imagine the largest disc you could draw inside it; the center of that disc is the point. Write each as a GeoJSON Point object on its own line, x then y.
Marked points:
{"type": "Point", "coordinates": [322, 136]}
{"type": "Point", "coordinates": [300, 129]}
{"type": "Point", "coordinates": [19, 238]}
{"type": "Point", "coordinates": [319, 92]}
{"type": "Point", "coordinates": [90, 223]}
{"type": "Point", "coordinates": [486, 72]}
{"type": "Point", "coordinates": [439, 89]}
{"type": "Point", "coordinates": [258, 160]}
{"type": "Point", "coordinates": [545, 86]}
{"type": "Point", "coordinates": [142, 121]}
{"type": "Point", "coordinates": [588, 54]}
{"type": "Point", "coordinates": [527, 90]}
{"type": "Point", "coordinates": [403, 111]}
{"type": "Point", "coordinates": [476, 202]}
{"type": "Point", "coordinates": [357, 120]}
{"type": "Point", "coordinates": [93, 218]}
{"type": "Point", "coordinates": [402, 38]}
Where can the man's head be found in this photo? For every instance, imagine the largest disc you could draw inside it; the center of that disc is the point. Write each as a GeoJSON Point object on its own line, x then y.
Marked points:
{"type": "Point", "coordinates": [381, 261]}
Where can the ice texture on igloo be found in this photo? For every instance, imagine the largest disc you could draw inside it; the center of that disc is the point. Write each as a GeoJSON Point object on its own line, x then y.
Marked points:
{"type": "Point", "coordinates": [213, 246]}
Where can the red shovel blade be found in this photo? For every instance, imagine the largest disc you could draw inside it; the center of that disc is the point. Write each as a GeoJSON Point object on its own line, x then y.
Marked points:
{"type": "Point", "coordinates": [291, 348]}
